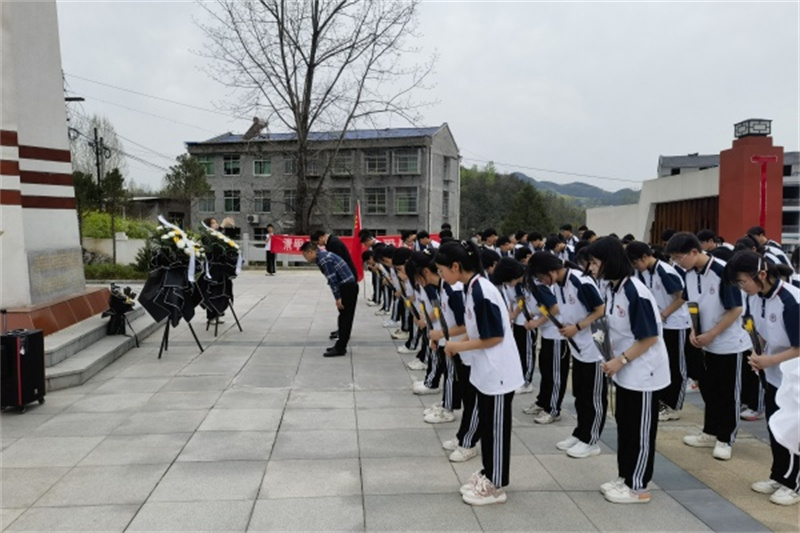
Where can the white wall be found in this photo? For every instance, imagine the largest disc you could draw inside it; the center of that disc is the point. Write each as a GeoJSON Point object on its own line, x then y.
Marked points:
{"type": "Point", "coordinates": [126, 248]}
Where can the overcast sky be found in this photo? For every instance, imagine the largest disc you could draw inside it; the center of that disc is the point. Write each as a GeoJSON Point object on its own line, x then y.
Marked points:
{"type": "Point", "coordinates": [590, 88]}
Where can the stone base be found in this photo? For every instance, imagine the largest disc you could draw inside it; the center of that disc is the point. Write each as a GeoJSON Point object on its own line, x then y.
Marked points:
{"type": "Point", "coordinates": [61, 313]}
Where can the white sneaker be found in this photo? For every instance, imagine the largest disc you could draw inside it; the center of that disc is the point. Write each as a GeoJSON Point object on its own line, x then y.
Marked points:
{"type": "Point", "coordinates": [766, 487]}
{"type": "Point", "coordinates": [391, 323]}
{"type": "Point", "coordinates": [370, 303]}
{"type": "Point", "coordinates": [420, 388]}
{"type": "Point", "coordinates": [433, 408]}
{"type": "Point", "coordinates": [471, 482]}
{"type": "Point", "coordinates": [692, 386]}
{"type": "Point", "coordinates": [666, 413]}
{"type": "Point", "coordinates": [722, 451]}
{"type": "Point", "coordinates": [406, 350]}
{"type": "Point", "coordinates": [381, 312]}
{"type": "Point", "coordinates": [532, 409]}
{"type": "Point", "coordinates": [750, 415]}
{"type": "Point", "coordinates": [450, 445]}
{"type": "Point", "coordinates": [701, 440]}
{"type": "Point", "coordinates": [581, 450]}
{"type": "Point", "coordinates": [484, 493]}
{"type": "Point", "coordinates": [399, 334]}
{"type": "Point", "coordinates": [462, 455]}
{"type": "Point", "coordinates": [567, 443]}
{"type": "Point", "coordinates": [525, 389]}
{"type": "Point", "coordinates": [605, 487]}
{"type": "Point", "coordinates": [785, 496]}
{"type": "Point", "coordinates": [546, 418]}
{"type": "Point", "coordinates": [416, 364]}
{"type": "Point", "coordinates": [440, 416]}
{"type": "Point", "coordinates": [623, 494]}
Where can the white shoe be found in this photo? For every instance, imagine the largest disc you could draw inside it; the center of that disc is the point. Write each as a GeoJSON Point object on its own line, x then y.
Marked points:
{"type": "Point", "coordinates": [785, 496]}
{"type": "Point", "coordinates": [623, 494]}
{"type": "Point", "coordinates": [461, 454]}
{"type": "Point", "coordinates": [471, 482]}
{"type": "Point", "coordinates": [416, 364]}
{"type": "Point", "coordinates": [440, 416]}
{"type": "Point", "coordinates": [370, 303]}
{"type": "Point", "coordinates": [406, 350]}
{"type": "Point", "coordinates": [692, 386]}
{"type": "Point", "coordinates": [420, 388]}
{"type": "Point", "coordinates": [532, 409]}
{"type": "Point", "coordinates": [399, 334]}
{"type": "Point", "coordinates": [666, 413]}
{"type": "Point", "coordinates": [484, 493]}
{"type": "Point", "coordinates": [701, 440]}
{"type": "Point", "coordinates": [391, 323]}
{"type": "Point", "coordinates": [766, 487]}
{"type": "Point", "coordinates": [746, 414]}
{"type": "Point", "coordinates": [605, 487]}
{"type": "Point", "coordinates": [722, 451]}
{"type": "Point", "coordinates": [450, 445]}
{"type": "Point", "coordinates": [581, 450]}
{"type": "Point", "coordinates": [432, 409]}
{"type": "Point", "coordinates": [546, 418]}
{"type": "Point", "coordinates": [567, 443]}
{"type": "Point", "coordinates": [525, 389]}
{"type": "Point", "coordinates": [381, 312]}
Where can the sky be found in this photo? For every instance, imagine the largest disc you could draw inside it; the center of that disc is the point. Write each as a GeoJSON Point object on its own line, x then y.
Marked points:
{"type": "Point", "coordinates": [561, 91]}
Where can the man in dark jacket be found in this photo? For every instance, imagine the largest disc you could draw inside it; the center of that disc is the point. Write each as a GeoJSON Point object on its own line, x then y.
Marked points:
{"type": "Point", "coordinates": [333, 244]}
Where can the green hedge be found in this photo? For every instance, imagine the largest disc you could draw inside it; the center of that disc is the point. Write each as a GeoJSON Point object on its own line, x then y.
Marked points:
{"type": "Point", "coordinates": [108, 271]}
{"type": "Point", "coordinates": [97, 225]}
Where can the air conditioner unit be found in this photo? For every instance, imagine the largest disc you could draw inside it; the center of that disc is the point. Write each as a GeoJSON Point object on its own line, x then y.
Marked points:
{"type": "Point", "coordinates": [252, 219]}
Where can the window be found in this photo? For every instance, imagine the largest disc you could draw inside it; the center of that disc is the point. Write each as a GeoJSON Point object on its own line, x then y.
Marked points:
{"type": "Point", "coordinates": [289, 165]}
{"type": "Point", "coordinates": [290, 199]}
{"type": "Point", "coordinates": [406, 161]}
{"type": "Point", "coordinates": [175, 217]}
{"type": "Point", "coordinates": [259, 234]}
{"type": "Point", "coordinates": [406, 200]}
{"type": "Point", "coordinates": [344, 232]}
{"type": "Point", "coordinates": [376, 162]}
{"type": "Point", "coordinates": [375, 201]}
{"type": "Point", "coordinates": [446, 166]}
{"type": "Point", "coordinates": [208, 163]}
{"type": "Point", "coordinates": [343, 164]}
{"type": "Point", "coordinates": [312, 165]}
{"type": "Point", "coordinates": [207, 204]}
{"type": "Point", "coordinates": [341, 203]}
{"type": "Point", "coordinates": [233, 201]}
{"type": "Point", "coordinates": [262, 167]}
{"type": "Point", "coordinates": [377, 232]}
{"type": "Point", "coordinates": [262, 201]}
{"type": "Point", "coordinates": [231, 165]}
{"type": "Point", "coordinates": [445, 205]}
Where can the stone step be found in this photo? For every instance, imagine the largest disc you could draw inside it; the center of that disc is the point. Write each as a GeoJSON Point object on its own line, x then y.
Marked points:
{"type": "Point", "coordinates": [84, 364]}
{"type": "Point", "coordinates": [65, 343]}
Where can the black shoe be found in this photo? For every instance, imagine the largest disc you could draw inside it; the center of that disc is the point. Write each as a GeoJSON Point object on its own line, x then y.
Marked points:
{"type": "Point", "coordinates": [335, 352]}
{"type": "Point", "coordinates": [334, 335]}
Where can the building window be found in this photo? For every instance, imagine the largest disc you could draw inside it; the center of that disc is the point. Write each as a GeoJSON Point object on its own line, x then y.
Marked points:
{"type": "Point", "coordinates": [175, 217]}
{"type": "Point", "coordinates": [377, 232]}
{"type": "Point", "coordinates": [341, 202]}
{"type": "Point", "coordinates": [405, 200]}
{"type": "Point", "coordinates": [342, 164]}
{"type": "Point", "coordinates": [262, 167]}
{"type": "Point", "coordinates": [376, 162]}
{"type": "Point", "coordinates": [343, 232]}
{"type": "Point", "coordinates": [289, 165]}
{"type": "Point", "coordinates": [290, 199]}
{"type": "Point", "coordinates": [406, 161]}
{"type": "Point", "coordinates": [208, 164]}
{"type": "Point", "coordinates": [262, 201]}
{"type": "Point", "coordinates": [231, 165]}
{"type": "Point", "coordinates": [375, 201]}
{"type": "Point", "coordinates": [233, 201]}
{"type": "Point", "coordinates": [445, 205]}
{"type": "Point", "coordinates": [259, 234]}
{"type": "Point", "coordinates": [312, 165]}
{"type": "Point", "coordinates": [207, 204]}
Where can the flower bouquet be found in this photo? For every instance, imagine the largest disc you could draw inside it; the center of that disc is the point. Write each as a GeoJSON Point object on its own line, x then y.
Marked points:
{"type": "Point", "coordinates": [223, 262]}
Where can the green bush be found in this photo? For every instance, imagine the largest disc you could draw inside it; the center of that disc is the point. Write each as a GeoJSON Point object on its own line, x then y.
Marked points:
{"type": "Point", "coordinates": [113, 272]}
{"type": "Point", "coordinates": [143, 256]}
{"type": "Point", "coordinates": [97, 225]}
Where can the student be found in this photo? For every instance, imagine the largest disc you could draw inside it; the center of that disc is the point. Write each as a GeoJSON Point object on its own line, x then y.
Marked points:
{"type": "Point", "coordinates": [426, 242]}
{"type": "Point", "coordinates": [758, 234]}
{"type": "Point", "coordinates": [268, 247]}
{"type": "Point", "coordinates": [368, 240]}
{"type": "Point", "coordinates": [580, 304]}
{"type": "Point", "coordinates": [535, 241]}
{"type": "Point", "coordinates": [489, 238]}
{"type": "Point", "coordinates": [775, 308]}
{"type": "Point", "coordinates": [667, 287]}
{"type": "Point", "coordinates": [504, 246]}
{"type": "Point", "coordinates": [639, 367]}
{"type": "Point", "coordinates": [721, 338]}
{"type": "Point", "coordinates": [495, 370]}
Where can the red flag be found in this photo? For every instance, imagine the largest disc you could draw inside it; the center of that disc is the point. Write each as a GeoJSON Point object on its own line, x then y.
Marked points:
{"type": "Point", "coordinates": [355, 246]}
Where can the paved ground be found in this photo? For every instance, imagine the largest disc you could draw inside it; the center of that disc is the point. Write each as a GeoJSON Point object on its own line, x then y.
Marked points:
{"type": "Point", "coordinates": [260, 432]}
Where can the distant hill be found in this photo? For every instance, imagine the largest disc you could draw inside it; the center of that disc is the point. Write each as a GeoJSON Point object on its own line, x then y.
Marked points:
{"type": "Point", "coordinates": [583, 193]}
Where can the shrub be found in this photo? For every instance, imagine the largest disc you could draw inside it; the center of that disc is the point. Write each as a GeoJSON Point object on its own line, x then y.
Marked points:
{"type": "Point", "coordinates": [97, 225]}
{"type": "Point", "coordinates": [113, 272]}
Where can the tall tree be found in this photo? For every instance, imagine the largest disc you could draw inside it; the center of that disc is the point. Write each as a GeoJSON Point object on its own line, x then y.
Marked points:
{"type": "Point", "coordinates": [528, 212]}
{"type": "Point", "coordinates": [186, 182]}
{"type": "Point", "coordinates": [82, 150]}
{"type": "Point", "coordinates": [87, 196]}
{"type": "Point", "coordinates": [114, 195]}
{"type": "Point", "coordinates": [316, 64]}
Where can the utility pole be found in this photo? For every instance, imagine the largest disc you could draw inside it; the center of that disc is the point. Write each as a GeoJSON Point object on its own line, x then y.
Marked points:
{"type": "Point", "coordinates": [100, 149]}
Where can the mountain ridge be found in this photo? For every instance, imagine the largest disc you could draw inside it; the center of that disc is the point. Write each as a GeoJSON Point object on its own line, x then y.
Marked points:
{"type": "Point", "coordinates": [583, 193]}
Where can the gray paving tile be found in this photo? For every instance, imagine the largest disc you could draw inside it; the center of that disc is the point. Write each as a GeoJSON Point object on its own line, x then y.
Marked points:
{"type": "Point", "coordinates": [541, 439]}
{"type": "Point", "coordinates": [192, 516]}
{"type": "Point", "coordinates": [198, 481]}
{"type": "Point", "coordinates": [394, 476]}
{"type": "Point", "coordinates": [330, 444]}
{"type": "Point", "coordinates": [81, 424]}
{"type": "Point", "coordinates": [22, 425]}
{"type": "Point", "coordinates": [76, 518]}
{"type": "Point", "coordinates": [526, 473]}
{"type": "Point", "coordinates": [197, 383]}
{"type": "Point", "coordinates": [663, 513]}
{"type": "Point", "coordinates": [419, 512]}
{"type": "Point", "coordinates": [170, 401]}
{"type": "Point", "coordinates": [5, 442]}
{"type": "Point", "coordinates": [716, 512]}
{"type": "Point", "coordinates": [146, 422]}
{"type": "Point", "coordinates": [103, 485]}
{"type": "Point", "coordinates": [390, 399]}
{"type": "Point", "coordinates": [110, 403]}
{"type": "Point", "coordinates": [393, 443]}
{"type": "Point", "coordinates": [318, 419]}
{"type": "Point", "coordinates": [310, 399]}
{"type": "Point", "coordinates": [21, 487]}
{"type": "Point", "coordinates": [7, 516]}
{"type": "Point", "coordinates": [228, 446]}
{"type": "Point", "coordinates": [252, 398]}
{"type": "Point", "coordinates": [242, 420]}
{"type": "Point", "coordinates": [534, 511]}
{"type": "Point", "coordinates": [56, 401]}
{"type": "Point", "coordinates": [152, 369]}
{"type": "Point", "coordinates": [276, 377]}
{"type": "Point", "coordinates": [670, 476]}
{"type": "Point", "coordinates": [137, 449]}
{"type": "Point", "coordinates": [580, 474]}
{"type": "Point", "coordinates": [29, 452]}
{"type": "Point", "coordinates": [391, 418]}
{"type": "Point", "coordinates": [311, 478]}
{"type": "Point", "coordinates": [119, 385]}
{"type": "Point", "coordinates": [344, 513]}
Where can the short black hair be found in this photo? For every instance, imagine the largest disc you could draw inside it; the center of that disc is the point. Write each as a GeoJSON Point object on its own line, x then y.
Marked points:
{"type": "Point", "coordinates": [566, 227]}
{"type": "Point", "coordinates": [756, 230]}
{"type": "Point", "coordinates": [489, 257]}
{"type": "Point", "coordinates": [552, 240]}
{"type": "Point", "coordinates": [465, 253]}
{"type": "Point", "coordinates": [366, 255]}
{"type": "Point", "coordinates": [583, 228]}
{"type": "Point", "coordinates": [747, 243]}
{"type": "Point", "coordinates": [637, 250]}
{"type": "Point", "coordinates": [519, 234]}
{"type": "Point", "coordinates": [423, 235]}
{"type": "Point", "coordinates": [501, 240]}
{"type": "Point", "coordinates": [446, 225]}
{"type": "Point", "coordinates": [706, 235]}
{"type": "Point", "coordinates": [522, 252]}
{"type": "Point", "coordinates": [544, 262]}
{"type": "Point", "coordinates": [445, 234]}
{"type": "Point", "coordinates": [406, 233]}
{"type": "Point", "coordinates": [315, 236]}
{"type": "Point", "coordinates": [667, 234]}
{"type": "Point", "coordinates": [610, 251]}
{"type": "Point", "coordinates": [365, 235]}
{"type": "Point", "coordinates": [682, 243]}
{"type": "Point", "coordinates": [748, 262]}
{"type": "Point", "coordinates": [400, 256]}
{"type": "Point", "coordinates": [722, 252]}
{"type": "Point", "coordinates": [308, 245]}
{"type": "Point", "coordinates": [508, 269]}
{"type": "Point", "coordinates": [416, 265]}
{"type": "Point", "coordinates": [535, 236]}
{"type": "Point", "coordinates": [628, 237]}
{"type": "Point", "coordinates": [588, 234]}
{"type": "Point", "coordinates": [488, 232]}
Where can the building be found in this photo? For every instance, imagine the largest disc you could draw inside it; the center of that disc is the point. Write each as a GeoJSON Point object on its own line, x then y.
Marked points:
{"type": "Point", "coordinates": [720, 192]}
{"type": "Point", "coordinates": [405, 178]}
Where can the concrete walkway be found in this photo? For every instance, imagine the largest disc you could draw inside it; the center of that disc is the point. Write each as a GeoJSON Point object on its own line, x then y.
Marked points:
{"type": "Point", "coordinates": [260, 433]}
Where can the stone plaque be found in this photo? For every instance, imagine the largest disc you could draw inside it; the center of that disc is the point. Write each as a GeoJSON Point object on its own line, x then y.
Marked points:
{"type": "Point", "coordinates": [55, 274]}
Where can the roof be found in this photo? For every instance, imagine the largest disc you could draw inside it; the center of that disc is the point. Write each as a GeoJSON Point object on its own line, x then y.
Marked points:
{"type": "Point", "coordinates": [316, 136]}
{"type": "Point", "coordinates": [688, 161]}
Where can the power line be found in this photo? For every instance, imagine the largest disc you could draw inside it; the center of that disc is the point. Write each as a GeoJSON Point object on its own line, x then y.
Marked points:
{"type": "Point", "coordinates": [562, 172]}
{"type": "Point", "coordinates": [151, 114]}
{"type": "Point", "coordinates": [170, 158]}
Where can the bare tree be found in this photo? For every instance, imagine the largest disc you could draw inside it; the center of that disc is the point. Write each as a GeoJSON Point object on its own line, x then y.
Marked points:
{"type": "Point", "coordinates": [317, 64]}
{"type": "Point", "coordinates": [82, 151]}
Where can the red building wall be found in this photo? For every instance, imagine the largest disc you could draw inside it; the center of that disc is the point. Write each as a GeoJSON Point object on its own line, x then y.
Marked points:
{"type": "Point", "coordinates": [740, 185]}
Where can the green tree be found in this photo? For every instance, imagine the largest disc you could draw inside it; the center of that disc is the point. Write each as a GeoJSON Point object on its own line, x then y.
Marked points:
{"type": "Point", "coordinates": [186, 182]}
{"type": "Point", "coordinates": [114, 196]}
{"type": "Point", "coordinates": [87, 196]}
{"type": "Point", "coordinates": [528, 212]}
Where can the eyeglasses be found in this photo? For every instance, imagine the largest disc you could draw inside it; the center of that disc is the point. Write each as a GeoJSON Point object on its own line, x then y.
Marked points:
{"type": "Point", "coordinates": [742, 282]}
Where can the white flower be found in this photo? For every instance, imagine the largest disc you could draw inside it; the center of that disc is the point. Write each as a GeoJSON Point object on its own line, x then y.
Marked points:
{"type": "Point", "coordinates": [165, 236]}
{"type": "Point", "coordinates": [181, 243]}
{"type": "Point", "coordinates": [187, 251]}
